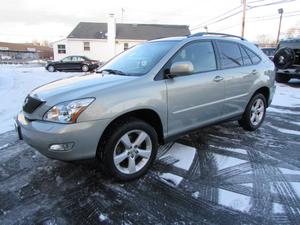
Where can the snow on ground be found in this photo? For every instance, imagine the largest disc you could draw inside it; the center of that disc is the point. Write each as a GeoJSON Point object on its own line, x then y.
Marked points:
{"type": "Point", "coordinates": [287, 96]}
{"type": "Point", "coordinates": [16, 81]}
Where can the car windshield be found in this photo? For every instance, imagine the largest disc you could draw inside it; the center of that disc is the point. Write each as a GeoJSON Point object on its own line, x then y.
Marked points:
{"type": "Point", "coordinates": [138, 60]}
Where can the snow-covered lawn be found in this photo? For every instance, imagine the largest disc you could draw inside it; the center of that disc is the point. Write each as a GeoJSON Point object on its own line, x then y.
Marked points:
{"type": "Point", "coordinates": [16, 81]}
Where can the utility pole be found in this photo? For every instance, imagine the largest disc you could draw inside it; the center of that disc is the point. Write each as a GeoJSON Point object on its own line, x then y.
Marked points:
{"type": "Point", "coordinates": [244, 16]}
{"type": "Point", "coordinates": [122, 19]}
{"type": "Point", "coordinates": [280, 11]}
{"type": "Point", "coordinates": [206, 28]}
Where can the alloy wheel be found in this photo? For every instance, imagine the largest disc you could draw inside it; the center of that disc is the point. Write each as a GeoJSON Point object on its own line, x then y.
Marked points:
{"type": "Point", "coordinates": [257, 111]}
{"type": "Point", "coordinates": [85, 68]}
{"type": "Point", "coordinates": [132, 151]}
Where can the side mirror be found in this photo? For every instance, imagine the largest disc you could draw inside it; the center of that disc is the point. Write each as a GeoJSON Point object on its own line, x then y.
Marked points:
{"type": "Point", "coordinates": [181, 68]}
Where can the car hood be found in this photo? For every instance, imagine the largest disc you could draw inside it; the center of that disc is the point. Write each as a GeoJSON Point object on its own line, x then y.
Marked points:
{"type": "Point", "coordinates": [78, 86]}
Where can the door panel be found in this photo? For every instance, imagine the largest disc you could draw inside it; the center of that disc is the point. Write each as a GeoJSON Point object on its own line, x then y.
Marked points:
{"type": "Point", "coordinates": [239, 76]}
{"type": "Point", "coordinates": [238, 82]}
{"type": "Point", "coordinates": [194, 101]}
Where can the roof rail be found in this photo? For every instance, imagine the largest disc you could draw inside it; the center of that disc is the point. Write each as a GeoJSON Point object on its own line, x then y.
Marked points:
{"type": "Point", "coordinates": [217, 34]}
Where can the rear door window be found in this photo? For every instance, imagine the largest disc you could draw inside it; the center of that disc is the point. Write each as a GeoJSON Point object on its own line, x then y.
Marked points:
{"type": "Point", "coordinates": [230, 54]}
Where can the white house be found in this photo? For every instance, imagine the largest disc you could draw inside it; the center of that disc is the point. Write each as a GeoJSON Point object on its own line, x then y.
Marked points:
{"type": "Point", "coordinates": [101, 41]}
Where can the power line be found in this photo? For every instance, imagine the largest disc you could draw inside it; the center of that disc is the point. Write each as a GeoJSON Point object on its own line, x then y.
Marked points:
{"type": "Point", "coordinates": [251, 21]}
{"type": "Point", "coordinates": [216, 21]}
{"type": "Point", "coordinates": [236, 13]}
{"type": "Point", "coordinates": [213, 19]}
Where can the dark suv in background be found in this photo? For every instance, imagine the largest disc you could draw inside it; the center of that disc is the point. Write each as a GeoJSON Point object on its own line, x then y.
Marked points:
{"type": "Point", "coordinates": [287, 60]}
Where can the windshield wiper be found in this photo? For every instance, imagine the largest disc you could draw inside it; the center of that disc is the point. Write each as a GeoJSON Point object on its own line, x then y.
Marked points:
{"type": "Point", "coordinates": [118, 72]}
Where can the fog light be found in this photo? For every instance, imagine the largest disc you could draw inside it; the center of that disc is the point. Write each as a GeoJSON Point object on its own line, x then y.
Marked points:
{"type": "Point", "coordinates": [61, 147]}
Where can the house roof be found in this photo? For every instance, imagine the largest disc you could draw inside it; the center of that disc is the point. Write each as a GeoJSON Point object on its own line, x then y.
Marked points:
{"type": "Point", "coordinates": [23, 47]}
{"type": "Point", "coordinates": [87, 30]}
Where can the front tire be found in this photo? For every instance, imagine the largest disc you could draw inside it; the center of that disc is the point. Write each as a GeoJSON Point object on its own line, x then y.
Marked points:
{"type": "Point", "coordinates": [128, 149]}
{"type": "Point", "coordinates": [85, 68]}
{"type": "Point", "coordinates": [282, 78]}
{"type": "Point", "coordinates": [254, 114]}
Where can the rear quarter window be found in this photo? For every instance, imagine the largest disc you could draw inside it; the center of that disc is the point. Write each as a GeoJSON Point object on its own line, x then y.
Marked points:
{"type": "Point", "coordinates": [253, 56]}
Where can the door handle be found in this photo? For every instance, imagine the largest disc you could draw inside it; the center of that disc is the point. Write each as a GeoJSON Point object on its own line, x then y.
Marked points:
{"type": "Point", "coordinates": [218, 78]}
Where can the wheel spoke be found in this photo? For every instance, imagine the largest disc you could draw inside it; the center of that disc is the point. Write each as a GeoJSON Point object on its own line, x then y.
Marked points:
{"type": "Point", "coordinates": [121, 157]}
{"type": "Point", "coordinates": [252, 117]}
{"type": "Point", "coordinates": [131, 165]}
{"type": "Point", "coordinates": [261, 109]}
{"type": "Point", "coordinates": [142, 136]}
{"type": "Point", "coordinates": [144, 153]}
{"type": "Point", "coordinates": [126, 141]}
{"type": "Point", "coordinates": [257, 118]}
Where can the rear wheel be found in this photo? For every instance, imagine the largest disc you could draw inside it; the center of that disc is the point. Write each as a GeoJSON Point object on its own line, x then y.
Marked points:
{"type": "Point", "coordinates": [128, 149]}
{"type": "Point", "coordinates": [51, 68]}
{"type": "Point", "coordinates": [254, 114]}
{"type": "Point", "coordinates": [282, 78]}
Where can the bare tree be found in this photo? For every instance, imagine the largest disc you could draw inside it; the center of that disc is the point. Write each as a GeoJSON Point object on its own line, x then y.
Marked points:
{"type": "Point", "coordinates": [293, 32]}
{"type": "Point", "coordinates": [264, 40]}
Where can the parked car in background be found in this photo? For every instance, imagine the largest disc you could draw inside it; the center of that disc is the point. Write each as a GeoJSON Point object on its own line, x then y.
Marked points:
{"type": "Point", "coordinates": [287, 60]}
{"type": "Point", "coordinates": [73, 63]}
{"type": "Point", "coordinates": [270, 52]}
{"type": "Point", "coordinates": [5, 57]}
{"type": "Point", "coordinates": [148, 95]}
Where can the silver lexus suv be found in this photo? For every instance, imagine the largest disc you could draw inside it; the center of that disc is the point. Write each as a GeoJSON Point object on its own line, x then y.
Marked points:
{"type": "Point", "coordinates": [146, 96]}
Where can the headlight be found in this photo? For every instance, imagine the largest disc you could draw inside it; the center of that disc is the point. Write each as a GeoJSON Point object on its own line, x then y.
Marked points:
{"type": "Point", "coordinates": [67, 112]}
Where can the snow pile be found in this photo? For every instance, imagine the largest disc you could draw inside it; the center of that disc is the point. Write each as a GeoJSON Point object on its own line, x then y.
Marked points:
{"type": "Point", "coordinates": [16, 81]}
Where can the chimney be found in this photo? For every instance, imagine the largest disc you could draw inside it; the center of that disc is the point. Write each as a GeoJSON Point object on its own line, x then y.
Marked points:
{"type": "Point", "coordinates": [111, 34]}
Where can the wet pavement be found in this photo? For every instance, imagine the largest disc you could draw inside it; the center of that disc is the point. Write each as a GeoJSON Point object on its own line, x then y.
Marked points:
{"type": "Point", "coordinates": [217, 175]}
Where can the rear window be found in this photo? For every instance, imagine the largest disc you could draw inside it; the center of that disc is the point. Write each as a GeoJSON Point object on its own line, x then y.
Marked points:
{"type": "Point", "coordinates": [230, 55]}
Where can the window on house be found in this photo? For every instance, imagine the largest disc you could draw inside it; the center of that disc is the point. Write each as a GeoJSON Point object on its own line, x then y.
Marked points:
{"type": "Point", "coordinates": [86, 46]}
{"type": "Point", "coordinates": [61, 49]}
{"type": "Point", "coordinates": [126, 46]}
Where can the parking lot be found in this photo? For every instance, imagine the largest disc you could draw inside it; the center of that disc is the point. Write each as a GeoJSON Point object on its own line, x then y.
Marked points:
{"type": "Point", "coordinates": [217, 175]}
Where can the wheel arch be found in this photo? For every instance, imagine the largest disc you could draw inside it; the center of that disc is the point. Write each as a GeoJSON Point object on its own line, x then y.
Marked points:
{"type": "Point", "coordinates": [264, 91]}
{"type": "Point", "coordinates": [147, 115]}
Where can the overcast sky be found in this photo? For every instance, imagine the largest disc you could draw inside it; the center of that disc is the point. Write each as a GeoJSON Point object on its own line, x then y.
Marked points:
{"type": "Point", "coordinates": [26, 20]}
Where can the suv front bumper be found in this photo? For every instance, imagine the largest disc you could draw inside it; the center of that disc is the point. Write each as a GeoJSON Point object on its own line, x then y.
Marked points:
{"type": "Point", "coordinates": [84, 137]}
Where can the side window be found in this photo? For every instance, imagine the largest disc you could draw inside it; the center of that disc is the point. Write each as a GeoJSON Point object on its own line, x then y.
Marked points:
{"type": "Point", "coordinates": [200, 54]}
{"type": "Point", "coordinates": [230, 55]}
{"type": "Point", "coordinates": [67, 59]}
{"type": "Point", "coordinates": [74, 58]}
{"type": "Point", "coordinates": [86, 46]}
{"type": "Point", "coordinates": [254, 58]}
{"type": "Point", "coordinates": [246, 58]}
{"type": "Point", "coordinates": [61, 49]}
{"type": "Point", "coordinates": [126, 46]}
